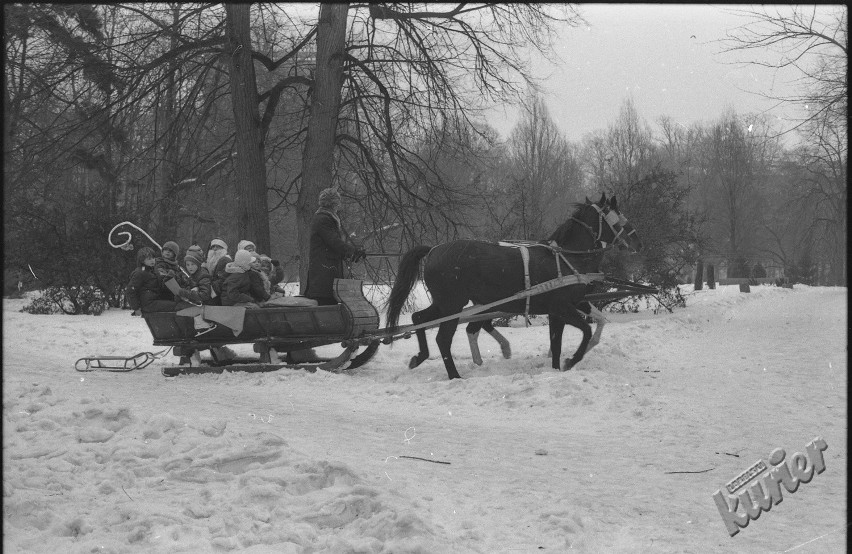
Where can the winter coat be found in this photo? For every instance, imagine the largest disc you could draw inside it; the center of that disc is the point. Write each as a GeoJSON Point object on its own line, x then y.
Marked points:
{"type": "Point", "coordinates": [145, 289]}
{"type": "Point", "coordinates": [200, 286]}
{"type": "Point", "coordinates": [168, 269]}
{"type": "Point", "coordinates": [242, 286]}
{"type": "Point", "coordinates": [328, 249]}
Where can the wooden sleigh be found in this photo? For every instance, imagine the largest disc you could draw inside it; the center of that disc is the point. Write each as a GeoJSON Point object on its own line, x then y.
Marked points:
{"type": "Point", "coordinates": [283, 336]}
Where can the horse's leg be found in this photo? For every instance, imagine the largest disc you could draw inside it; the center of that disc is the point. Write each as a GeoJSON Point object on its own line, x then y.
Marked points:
{"type": "Point", "coordinates": [505, 347]}
{"type": "Point", "coordinates": [472, 338]}
{"type": "Point", "coordinates": [556, 326]}
{"type": "Point", "coordinates": [417, 318]}
{"type": "Point", "coordinates": [573, 318]}
{"type": "Point", "coordinates": [444, 339]}
{"type": "Point", "coordinates": [599, 319]}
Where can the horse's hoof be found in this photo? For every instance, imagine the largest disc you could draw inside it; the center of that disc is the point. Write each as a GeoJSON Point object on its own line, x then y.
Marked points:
{"type": "Point", "coordinates": [507, 352]}
{"type": "Point", "coordinates": [415, 361]}
{"type": "Point", "coordinates": [568, 365]}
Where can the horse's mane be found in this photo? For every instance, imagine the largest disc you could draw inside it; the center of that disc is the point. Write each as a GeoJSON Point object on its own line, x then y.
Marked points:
{"type": "Point", "coordinates": [562, 232]}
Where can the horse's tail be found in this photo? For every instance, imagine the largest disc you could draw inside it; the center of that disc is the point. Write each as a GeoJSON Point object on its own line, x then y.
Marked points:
{"type": "Point", "coordinates": [406, 276]}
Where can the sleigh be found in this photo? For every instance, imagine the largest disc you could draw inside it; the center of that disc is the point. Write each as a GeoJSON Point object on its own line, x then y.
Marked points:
{"type": "Point", "coordinates": [283, 336]}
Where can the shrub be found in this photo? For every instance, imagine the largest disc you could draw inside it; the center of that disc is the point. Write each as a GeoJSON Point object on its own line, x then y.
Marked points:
{"type": "Point", "coordinates": [77, 300]}
{"type": "Point", "coordinates": [668, 299]}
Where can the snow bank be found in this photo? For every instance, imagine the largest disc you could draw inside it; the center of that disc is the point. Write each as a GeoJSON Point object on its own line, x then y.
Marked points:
{"type": "Point", "coordinates": [621, 454]}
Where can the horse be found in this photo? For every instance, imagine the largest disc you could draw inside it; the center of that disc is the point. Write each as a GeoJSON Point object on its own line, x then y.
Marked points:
{"type": "Point", "coordinates": [463, 271]}
{"type": "Point", "coordinates": [557, 327]}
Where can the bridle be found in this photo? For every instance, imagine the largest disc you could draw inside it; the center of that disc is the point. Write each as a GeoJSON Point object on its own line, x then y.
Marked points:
{"type": "Point", "coordinates": [614, 220]}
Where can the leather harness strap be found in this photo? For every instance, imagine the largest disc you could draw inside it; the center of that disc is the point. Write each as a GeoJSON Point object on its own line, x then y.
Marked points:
{"type": "Point", "coordinates": [525, 257]}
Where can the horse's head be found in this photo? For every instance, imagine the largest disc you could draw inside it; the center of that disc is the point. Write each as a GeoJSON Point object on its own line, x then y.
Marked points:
{"type": "Point", "coordinates": [611, 226]}
{"type": "Point", "coordinates": [624, 234]}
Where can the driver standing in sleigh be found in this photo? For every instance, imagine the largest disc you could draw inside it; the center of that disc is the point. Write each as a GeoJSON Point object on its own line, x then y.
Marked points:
{"type": "Point", "coordinates": [329, 247]}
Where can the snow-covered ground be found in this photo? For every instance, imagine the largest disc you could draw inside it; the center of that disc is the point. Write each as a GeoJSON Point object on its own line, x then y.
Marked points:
{"type": "Point", "coordinates": [621, 454]}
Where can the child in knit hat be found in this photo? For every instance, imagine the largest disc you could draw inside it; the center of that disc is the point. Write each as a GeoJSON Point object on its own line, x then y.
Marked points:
{"type": "Point", "coordinates": [269, 277]}
{"type": "Point", "coordinates": [145, 291]}
{"type": "Point", "coordinates": [243, 286]}
{"type": "Point", "coordinates": [167, 265]}
{"type": "Point", "coordinates": [197, 253]}
{"type": "Point", "coordinates": [198, 288]}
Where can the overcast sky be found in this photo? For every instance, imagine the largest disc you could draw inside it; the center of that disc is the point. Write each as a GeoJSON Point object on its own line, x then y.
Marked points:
{"type": "Point", "coordinates": [666, 57]}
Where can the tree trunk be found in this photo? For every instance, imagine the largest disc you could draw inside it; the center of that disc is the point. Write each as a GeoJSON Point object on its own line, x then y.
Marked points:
{"type": "Point", "coordinates": [711, 276]}
{"type": "Point", "coordinates": [699, 275]}
{"type": "Point", "coordinates": [318, 156]}
{"type": "Point", "coordinates": [250, 166]}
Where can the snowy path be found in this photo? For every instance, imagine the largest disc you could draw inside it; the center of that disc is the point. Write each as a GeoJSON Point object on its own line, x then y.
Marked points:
{"type": "Point", "coordinates": [538, 460]}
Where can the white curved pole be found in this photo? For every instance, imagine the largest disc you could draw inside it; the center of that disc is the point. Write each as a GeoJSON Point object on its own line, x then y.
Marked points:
{"type": "Point", "coordinates": [126, 244]}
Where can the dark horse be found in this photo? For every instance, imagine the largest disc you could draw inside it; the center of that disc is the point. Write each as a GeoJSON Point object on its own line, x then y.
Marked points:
{"type": "Point", "coordinates": [579, 239]}
{"type": "Point", "coordinates": [463, 271]}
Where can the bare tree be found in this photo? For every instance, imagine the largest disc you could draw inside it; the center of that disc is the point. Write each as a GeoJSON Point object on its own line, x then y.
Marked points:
{"type": "Point", "coordinates": [738, 156]}
{"type": "Point", "coordinates": [545, 170]}
{"type": "Point", "coordinates": [414, 73]}
{"type": "Point", "coordinates": [621, 155]}
{"type": "Point", "coordinates": [811, 40]}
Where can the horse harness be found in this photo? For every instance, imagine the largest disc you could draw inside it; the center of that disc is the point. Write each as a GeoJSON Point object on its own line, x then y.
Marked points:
{"type": "Point", "coordinates": [616, 224]}
{"type": "Point", "coordinates": [524, 247]}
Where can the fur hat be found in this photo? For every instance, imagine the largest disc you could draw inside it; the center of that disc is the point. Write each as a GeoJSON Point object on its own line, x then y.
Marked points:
{"type": "Point", "coordinates": [173, 246]}
{"type": "Point", "coordinates": [219, 242]}
{"type": "Point", "coordinates": [243, 243]}
{"type": "Point", "coordinates": [144, 253]}
{"type": "Point", "coordinates": [195, 254]}
{"type": "Point", "coordinates": [329, 197]}
{"type": "Point", "coordinates": [244, 258]}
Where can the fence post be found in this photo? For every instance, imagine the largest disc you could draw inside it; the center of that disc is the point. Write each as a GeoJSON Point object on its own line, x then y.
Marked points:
{"type": "Point", "coordinates": [711, 277]}
{"type": "Point", "coordinates": [699, 275]}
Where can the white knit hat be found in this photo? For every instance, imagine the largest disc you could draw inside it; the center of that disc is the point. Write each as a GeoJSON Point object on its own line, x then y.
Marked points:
{"type": "Point", "coordinates": [243, 243]}
{"type": "Point", "coordinates": [244, 258]}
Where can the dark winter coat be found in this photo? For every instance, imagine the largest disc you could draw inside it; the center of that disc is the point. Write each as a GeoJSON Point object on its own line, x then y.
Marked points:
{"type": "Point", "coordinates": [201, 282]}
{"type": "Point", "coordinates": [328, 250]}
{"type": "Point", "coordinates": [239, 288]}
{"type": "Point", "coordinates": [167, 269]}
{"type": "Point", "coordinates": [144, 288]}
